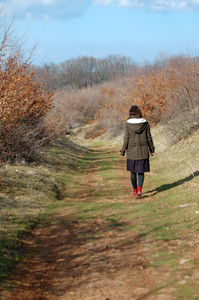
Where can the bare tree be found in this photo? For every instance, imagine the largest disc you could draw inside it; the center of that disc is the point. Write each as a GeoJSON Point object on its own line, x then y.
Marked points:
{"type": "Point", "coordinates": [83, 71]}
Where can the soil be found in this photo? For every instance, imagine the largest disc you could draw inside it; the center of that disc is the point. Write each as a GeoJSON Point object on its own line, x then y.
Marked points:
{"type": "Point", "coordinates": [66, 264]}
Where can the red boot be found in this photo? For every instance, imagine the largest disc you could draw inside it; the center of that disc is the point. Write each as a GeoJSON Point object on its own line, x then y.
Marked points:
{"type": "Point", "coordinates": [139, 192]}
{"type": "Point", "coordinates": [135, 192]}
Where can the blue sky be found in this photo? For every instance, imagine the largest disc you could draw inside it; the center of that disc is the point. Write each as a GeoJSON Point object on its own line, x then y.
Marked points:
{"type": "Point", "coordinates": [65, 29]}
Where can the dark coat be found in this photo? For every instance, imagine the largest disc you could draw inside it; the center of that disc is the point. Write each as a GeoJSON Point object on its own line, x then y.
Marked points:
{"type": "Point", "coordinates": [138, 141]}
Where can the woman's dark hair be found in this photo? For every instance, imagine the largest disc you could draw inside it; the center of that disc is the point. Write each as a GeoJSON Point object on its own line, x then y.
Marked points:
{"type": "Point", "coordinates": [135, 110]}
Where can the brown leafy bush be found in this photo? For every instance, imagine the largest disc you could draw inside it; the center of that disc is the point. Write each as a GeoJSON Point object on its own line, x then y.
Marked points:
{"type": "Point", "coordinates": [73, 108]}
{"type": "Point", "coordinates": [162, 92]}
{"type": "Point", "coordinates": [113, 103]}
{"type": "Point", "coordinates": [94, 131]}
{"type": "Point", "coordinates": [23, 107]}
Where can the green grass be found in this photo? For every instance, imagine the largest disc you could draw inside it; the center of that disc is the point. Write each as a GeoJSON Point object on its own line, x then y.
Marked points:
{"type": "Point", "coordinates": [30, 195]}
{"type": "Point", "coordinates": [165, 219]}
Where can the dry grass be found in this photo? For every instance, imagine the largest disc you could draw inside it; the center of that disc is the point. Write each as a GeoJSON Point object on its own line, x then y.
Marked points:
{"type": "Point", "coordinates": [29, 194]}
{"type": "Point", "coordinates": [165, 219]}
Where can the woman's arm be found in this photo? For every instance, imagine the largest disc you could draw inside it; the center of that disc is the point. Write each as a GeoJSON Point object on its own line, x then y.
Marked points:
{"type": "Point", "coordinates": [150, 140]}
{"type": "Point", "coordinates": [125, 143]}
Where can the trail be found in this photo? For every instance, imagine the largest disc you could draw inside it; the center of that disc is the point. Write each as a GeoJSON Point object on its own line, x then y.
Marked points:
{"type": "Point", "coordinates": [67, 263]}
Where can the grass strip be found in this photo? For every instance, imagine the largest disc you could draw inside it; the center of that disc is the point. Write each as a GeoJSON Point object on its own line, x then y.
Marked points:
{"type": "Point", "coordinates": [30, 195]}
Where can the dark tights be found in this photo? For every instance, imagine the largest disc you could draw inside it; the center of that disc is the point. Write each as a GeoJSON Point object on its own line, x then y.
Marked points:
{"type": "Point", "coordinates": [134, 179]}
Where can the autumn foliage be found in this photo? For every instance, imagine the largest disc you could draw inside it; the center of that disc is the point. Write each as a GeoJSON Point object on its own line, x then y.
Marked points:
{"type": "Point", "coordinates": [162, 91]}
{"type": "Point", "coordinates": [23, 106]}
{"type": "Point", "coordinates": [22, 100]}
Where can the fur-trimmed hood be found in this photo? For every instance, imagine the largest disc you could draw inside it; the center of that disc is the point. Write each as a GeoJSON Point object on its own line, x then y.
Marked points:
{"type": "Point", "coordinates": [137, 125]}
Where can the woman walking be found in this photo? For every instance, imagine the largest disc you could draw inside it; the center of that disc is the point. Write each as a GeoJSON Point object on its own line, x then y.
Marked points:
{"type": "Point", "coordinates": [138, 143]}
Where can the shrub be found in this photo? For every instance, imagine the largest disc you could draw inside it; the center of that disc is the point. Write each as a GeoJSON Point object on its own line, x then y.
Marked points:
{"type": "Point", "coordinates": [73, 108]}
{"type": "Point", "coordinates": [23, 104]}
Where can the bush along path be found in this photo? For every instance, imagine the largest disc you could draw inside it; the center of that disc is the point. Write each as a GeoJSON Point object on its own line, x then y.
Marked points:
{"type": "Point", "coordinates": [105, 244]}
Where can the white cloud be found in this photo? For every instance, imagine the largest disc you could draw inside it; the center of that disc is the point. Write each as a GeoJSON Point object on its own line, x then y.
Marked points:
{"type": "Point", "coordinates": [157, 5]}
{"type": "Point", "coordinates": [57, 9]}
{"type": "Point", "coordinates": [64, 9]}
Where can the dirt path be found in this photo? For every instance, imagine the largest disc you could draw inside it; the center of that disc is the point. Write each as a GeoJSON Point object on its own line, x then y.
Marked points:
{"type": "Point", "coordinates": [71, 265]}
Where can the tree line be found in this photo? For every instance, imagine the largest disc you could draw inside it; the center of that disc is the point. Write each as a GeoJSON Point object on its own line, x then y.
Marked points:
{"type": "Point", "coordinates": [84, 71]}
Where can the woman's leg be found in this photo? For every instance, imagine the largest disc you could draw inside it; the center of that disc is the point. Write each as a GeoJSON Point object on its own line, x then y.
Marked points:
{"type": "Point", "coordinates": [134, 180]}
{"type": "Point", "coordinates": [140, 184]}
{"type": "Point", "coordinates": [140, 179]}
{"type": "Point", "coordinates": [134, 183]}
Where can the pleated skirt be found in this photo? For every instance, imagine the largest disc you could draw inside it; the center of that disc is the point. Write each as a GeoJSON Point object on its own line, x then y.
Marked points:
{"type": "Point", "coordinates": [138, 166]}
